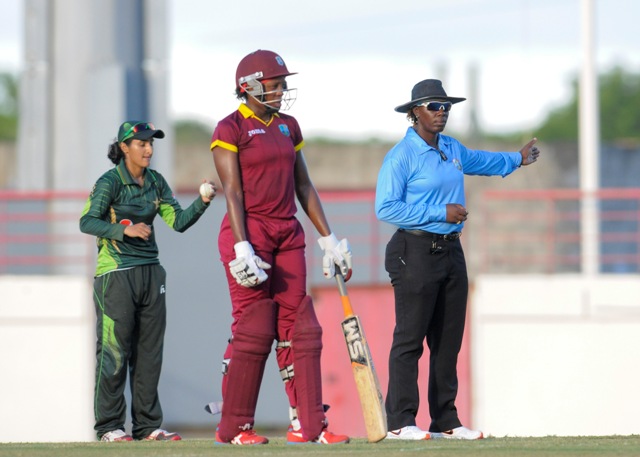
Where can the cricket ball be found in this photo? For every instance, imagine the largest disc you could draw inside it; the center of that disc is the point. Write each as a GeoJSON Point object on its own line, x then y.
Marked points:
{"type": "Point", "coordinates": [207, 190]}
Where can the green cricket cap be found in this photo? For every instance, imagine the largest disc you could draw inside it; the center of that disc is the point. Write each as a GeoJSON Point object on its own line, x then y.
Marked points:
{"type": "Point", "coordinates": [139, 130]}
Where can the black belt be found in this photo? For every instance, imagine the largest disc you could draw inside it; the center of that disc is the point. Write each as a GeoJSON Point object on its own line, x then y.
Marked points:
{"type": "Point", "coordinates": [434, 236]}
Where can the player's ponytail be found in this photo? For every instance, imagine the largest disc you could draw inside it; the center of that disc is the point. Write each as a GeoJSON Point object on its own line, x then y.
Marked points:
{"type": "Point", "coordinates": [115, 153]}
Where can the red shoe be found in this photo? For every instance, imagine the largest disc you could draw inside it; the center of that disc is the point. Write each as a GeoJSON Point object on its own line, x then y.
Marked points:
{"type": "Point", "coordinates": [325, 437]}
{"type": "Point", "coordinates": [244, 438]}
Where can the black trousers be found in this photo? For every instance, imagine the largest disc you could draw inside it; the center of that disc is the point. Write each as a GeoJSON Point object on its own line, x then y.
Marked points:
{"type": "Point", "coordinates": [430, 284]}
{"type": "Point", "coordinates": [131, 321]}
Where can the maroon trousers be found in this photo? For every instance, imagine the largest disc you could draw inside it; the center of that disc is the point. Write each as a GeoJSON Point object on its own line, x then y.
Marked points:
{"type": "Point", "coordinates": [281, 243]}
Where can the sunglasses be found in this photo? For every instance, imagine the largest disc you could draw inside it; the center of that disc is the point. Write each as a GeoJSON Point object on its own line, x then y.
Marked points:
{"type": "Point", "coordinates": [137, 128]}
{"type": "Point", "coordinates": [437, 106]}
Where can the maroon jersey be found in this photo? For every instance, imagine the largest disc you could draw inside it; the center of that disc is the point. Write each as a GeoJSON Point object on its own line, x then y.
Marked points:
{"type": "Point", "coordinates": [267, 153]}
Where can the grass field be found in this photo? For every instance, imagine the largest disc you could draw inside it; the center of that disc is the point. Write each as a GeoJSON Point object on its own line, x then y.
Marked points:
{"type": "Point", "coordinates": [511, 447]}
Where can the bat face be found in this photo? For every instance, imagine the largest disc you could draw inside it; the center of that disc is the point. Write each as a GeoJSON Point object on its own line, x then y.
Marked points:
{"type": "Point", "coordinates": [366, 379]}
{"type": "Point", "coordinates": [355, 340]}
{"type": "Point", "coordinates": [375, 419]}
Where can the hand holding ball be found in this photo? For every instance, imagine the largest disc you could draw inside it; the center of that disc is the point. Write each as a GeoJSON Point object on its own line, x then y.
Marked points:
{"type": "Point", "coordinates": [207, 190]}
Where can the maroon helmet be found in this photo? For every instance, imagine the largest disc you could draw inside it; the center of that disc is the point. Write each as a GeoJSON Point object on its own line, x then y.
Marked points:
{"type": "Point", "coordinates": [259, 65]}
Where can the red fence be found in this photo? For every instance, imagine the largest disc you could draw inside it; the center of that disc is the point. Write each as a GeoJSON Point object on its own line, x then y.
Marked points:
{"type": "Point", "coordinates": [535, 231]}
{"type": "Point", "coordinates": [539, 231]}
{"type": "Point", "coordinates": [351, 215]}
{"type": "Point", "coordinates": [39, 233]}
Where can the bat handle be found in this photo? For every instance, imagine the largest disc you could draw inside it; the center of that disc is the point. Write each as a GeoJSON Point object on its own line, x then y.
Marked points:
{"type": "Point", "coordinates": [341, 285]}
{"type": "Point", "coordinates": [346, 303]}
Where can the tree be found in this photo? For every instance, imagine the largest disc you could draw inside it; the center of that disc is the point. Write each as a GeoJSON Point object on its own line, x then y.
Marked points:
{"type": "Point", "coordinates": [8, 107]}
{"type": "Point", "coordinates": [619, 93]}
{"type": "Point", "coordinates": [192, 132]}
{"type": "Point", "coordinates": [619, 102]}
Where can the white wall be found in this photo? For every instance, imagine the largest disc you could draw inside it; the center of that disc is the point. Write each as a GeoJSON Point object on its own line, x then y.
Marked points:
{"type": "Point", "coordinates": [551, 355]}
{"type": "Point", "coordinates": [47, 348]}
{"type": "Point", "coordinates": [556, 355]}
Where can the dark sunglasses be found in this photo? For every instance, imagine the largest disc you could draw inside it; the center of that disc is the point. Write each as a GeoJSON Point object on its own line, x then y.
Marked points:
{"type": "Point", "coordinates": [437, 106]}
{"type": "Point", "coordinates": [141, 127]}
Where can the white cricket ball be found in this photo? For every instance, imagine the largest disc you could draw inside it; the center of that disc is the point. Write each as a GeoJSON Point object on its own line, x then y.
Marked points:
{"type": "Point", "coordinates": [207, 190]}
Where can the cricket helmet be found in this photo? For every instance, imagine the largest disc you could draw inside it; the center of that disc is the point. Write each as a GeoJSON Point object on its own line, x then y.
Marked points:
{"type": "Point", "coordinates": [257, 67]}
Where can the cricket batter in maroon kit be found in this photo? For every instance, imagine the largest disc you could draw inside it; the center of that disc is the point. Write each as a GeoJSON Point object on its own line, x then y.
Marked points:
{"type": "Point", "coordinates": [258, 155]}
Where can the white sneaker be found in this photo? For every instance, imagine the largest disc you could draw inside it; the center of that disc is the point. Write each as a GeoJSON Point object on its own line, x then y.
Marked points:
{"type": "Point", "coordinates": [459, 433]}
{"type": "Point", "coordinates": [116, 435]}
{"type": "Point", "coordinates": [162, 435]}
{"type": "Point", "coordinates": [410, 432]}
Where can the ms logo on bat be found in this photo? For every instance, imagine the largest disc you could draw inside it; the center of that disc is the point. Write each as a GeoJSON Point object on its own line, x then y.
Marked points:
{"type": "Point", "coordinates": [353, 337]}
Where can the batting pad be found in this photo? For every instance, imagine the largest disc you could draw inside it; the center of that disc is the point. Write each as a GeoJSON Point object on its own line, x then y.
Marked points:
{"type": "Point", "coordinates": [306, 343]}
{"type": "Point", "coordinates": [251, 344]}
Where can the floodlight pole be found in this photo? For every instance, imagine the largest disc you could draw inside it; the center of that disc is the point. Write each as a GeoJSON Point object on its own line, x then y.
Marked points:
{"type": "Point", "coordinates": [589, 145]}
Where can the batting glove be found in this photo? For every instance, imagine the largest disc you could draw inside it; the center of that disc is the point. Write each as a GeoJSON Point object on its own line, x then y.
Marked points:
{"type": "Point", "coordinates": [335, 253]}
{"type": "Point", "coordinates": [247, 268]}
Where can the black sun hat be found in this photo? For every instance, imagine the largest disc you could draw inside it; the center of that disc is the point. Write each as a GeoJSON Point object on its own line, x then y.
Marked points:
{"type": "Point", "coordinates": [429, 89]}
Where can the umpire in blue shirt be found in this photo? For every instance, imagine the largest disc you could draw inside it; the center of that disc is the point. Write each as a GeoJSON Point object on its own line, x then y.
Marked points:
{"type": "Point", "coordinates": [420, 189]}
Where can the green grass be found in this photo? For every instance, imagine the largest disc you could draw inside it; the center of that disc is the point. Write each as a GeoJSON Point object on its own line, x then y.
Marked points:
{"type": "Point", "coordinates": [511, 447]}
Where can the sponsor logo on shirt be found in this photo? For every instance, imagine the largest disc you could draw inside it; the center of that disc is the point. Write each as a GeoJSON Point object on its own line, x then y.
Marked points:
{"type": "Point", "coordinates": [284, 129]}
{"type": "Point", "coordinates": [256, 132]}
{"type": "Point", "coordinates": [457, 163]}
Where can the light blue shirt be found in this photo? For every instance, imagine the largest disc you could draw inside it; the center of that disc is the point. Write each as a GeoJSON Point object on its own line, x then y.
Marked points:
{"type": "Point", "coordinates": [415, 184]}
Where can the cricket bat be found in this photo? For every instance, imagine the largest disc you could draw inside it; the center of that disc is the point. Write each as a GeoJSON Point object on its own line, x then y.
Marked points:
{"type": "Point", "coordinates": [364, 373]}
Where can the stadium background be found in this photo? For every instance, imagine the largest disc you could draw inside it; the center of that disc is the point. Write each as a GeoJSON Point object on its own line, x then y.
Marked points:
{"type": "Point", "coordinates": [547, 351]}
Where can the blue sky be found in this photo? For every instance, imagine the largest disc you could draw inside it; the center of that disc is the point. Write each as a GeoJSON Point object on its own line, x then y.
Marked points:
{"type": "Point", "coordinates": [358, 59]}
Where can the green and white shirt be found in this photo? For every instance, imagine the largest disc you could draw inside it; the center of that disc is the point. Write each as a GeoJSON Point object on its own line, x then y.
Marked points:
{"type": "Point", "coordinates": [117, 201]}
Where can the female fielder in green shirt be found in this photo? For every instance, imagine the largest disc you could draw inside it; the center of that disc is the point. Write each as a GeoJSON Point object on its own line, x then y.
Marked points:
{"type": "Point", "coordinates": [129, 286]}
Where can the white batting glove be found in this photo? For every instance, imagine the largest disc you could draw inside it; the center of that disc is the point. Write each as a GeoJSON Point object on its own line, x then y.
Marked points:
{"type": "Point", "coordinates": [247, 268]}
{"type": "Point", "coordinates": [336, 253]}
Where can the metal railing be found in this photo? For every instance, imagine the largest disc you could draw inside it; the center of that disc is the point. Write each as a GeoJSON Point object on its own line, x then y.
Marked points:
{"type": "Point", "coordinates": [515, 231]}
{"type": "Point", "coordinates": [539, 231]}
{"type": "Point", "coordinates": [351, 215]}
{"type": "Point", "coordinates": [39, 233]}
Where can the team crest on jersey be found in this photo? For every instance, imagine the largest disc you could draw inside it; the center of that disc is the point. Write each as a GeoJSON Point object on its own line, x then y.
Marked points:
{"type": "Point", "coordinates": [457, 163]}
{"type": "Point", "coordinates": [284, 129]}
